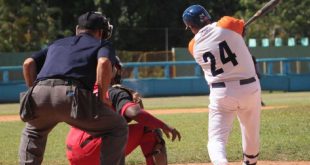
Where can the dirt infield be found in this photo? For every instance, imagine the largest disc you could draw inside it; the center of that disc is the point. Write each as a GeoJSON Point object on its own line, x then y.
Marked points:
{"type": "Point", "coordinates": [154, 112]}
{"type": "Point", "coordinates": [199, 110]}
{"type": "Point", "coordinates": [9, 118]}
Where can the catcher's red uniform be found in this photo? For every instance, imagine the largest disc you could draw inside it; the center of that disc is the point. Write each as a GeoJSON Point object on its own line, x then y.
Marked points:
{"type": "Point", "coordinates": [83, 149]}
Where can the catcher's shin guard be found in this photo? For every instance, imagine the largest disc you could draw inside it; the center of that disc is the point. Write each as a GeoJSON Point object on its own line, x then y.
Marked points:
{"type": "Point", "coordinates": [158, 154]}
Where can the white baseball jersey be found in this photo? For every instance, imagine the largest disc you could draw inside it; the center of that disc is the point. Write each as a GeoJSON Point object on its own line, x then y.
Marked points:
{"type": "Point", "coordinates": [220, 50]}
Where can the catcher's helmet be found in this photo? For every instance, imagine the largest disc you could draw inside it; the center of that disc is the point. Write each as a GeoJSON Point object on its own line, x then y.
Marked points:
{"type": "Point", "coordinates": [196, 16]}
{"type": "Point", "coordinates": [96, 20]}
{"type": "Point", "coordinates": [117, 79]}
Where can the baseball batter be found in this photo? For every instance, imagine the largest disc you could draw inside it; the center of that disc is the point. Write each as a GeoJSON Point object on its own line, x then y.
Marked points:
{"type": "Point", "coordinates": [219, 48]}
{"type": "Point", "coordinates": [84, 149]}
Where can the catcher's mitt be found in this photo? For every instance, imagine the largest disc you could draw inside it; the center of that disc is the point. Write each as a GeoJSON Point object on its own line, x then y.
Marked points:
{"type": "Point", "coordinates": [136, 97]}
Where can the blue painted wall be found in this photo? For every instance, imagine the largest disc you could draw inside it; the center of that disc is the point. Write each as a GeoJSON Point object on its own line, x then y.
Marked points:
{"type": "Point", "coordinates": [169, 87]}
{"type": "Point", "coordinates": [10, 92]}
{"type": "Point", "coordinates": [288, 79]}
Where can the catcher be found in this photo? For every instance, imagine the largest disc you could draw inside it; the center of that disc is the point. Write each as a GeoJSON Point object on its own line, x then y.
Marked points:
{"type": "Point", "coordinates": [83, 149]}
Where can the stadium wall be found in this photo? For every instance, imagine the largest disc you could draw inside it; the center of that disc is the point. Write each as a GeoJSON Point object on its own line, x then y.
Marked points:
{"type": "Point", "coordinates": [286, 78]}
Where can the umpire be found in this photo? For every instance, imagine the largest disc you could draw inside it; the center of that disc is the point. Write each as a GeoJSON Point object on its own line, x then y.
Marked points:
{"type": "Point", "coordinates": [61, 79]}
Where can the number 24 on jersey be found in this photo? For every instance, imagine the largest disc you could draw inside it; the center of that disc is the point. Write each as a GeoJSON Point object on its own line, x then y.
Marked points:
{"type": "Point", "coordinates": [231, 57]}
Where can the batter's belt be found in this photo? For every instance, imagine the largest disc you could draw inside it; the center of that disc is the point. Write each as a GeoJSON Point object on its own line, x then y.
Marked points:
{"type": "Point", "coordinates": [241, 82]}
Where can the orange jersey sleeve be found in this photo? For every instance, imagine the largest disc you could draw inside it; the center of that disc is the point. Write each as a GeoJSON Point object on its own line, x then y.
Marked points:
{"type": "Point", "coordinates": [231, 23]}
{"type": "Point", "coordinates": [191, 46]}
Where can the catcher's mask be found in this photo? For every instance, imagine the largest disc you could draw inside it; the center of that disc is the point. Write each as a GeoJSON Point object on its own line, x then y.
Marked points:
{"type": "Point", "coordinates": [117, 71]}
{"type": "Point", "coordinates": [94, 20]}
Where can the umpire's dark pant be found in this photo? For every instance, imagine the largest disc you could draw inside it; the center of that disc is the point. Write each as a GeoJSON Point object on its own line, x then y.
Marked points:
{"type": "Point", "coordinates": [55, 101]}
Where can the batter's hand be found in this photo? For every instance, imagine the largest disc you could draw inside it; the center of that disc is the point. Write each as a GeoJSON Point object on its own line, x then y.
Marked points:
{"type": "Point", "coordinates": [244, 32]}
{"type": "Point", "coordinates": [174, 133]}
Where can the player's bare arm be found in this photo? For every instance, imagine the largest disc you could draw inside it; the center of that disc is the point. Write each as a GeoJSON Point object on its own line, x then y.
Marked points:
{"type": "Point", "coordinates": [104, 75]}
{"type": "Point", "coordinates": [29, 71]}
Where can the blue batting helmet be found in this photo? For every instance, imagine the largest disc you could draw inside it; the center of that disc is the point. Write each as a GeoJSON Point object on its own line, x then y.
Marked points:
{"type": "Point", "coordinates": [195, 16]}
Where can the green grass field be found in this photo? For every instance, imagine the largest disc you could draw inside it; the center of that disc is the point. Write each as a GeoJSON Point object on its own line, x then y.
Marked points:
{"type": "Point", "coordinates": [285, 132]}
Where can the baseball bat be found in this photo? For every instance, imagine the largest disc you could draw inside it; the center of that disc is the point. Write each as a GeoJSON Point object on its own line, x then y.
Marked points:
{"type": "Point", "coordinates": [265, 9]}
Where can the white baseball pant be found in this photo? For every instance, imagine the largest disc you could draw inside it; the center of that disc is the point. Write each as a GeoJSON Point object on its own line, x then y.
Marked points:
{"type": "Point", "coordinates": [243, 101]}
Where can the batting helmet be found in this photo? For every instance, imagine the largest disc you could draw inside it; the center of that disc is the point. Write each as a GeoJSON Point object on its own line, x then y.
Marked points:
{"type": "Point", "coordinates": [96, 20]}
{"type": "Point", "coordinates": [196, 16]}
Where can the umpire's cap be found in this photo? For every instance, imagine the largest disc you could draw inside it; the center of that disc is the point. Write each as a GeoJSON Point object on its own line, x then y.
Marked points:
{"type": "Point", "coordinates": [93, 20]}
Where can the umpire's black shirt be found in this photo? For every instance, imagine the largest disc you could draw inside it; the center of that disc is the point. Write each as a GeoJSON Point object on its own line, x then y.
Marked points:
{"type": "Point", "coordinates": [73, 58]}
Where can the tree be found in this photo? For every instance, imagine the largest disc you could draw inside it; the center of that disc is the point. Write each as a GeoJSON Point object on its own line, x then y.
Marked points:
{"type": "Point", "coordinates": [144, 25]}
{"type": "Point", "coordinates": [288, 19]}
{"type": "Point", "coordinates": [26, 25]}
{"type": "Point", "coordinates": [68, 13]}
